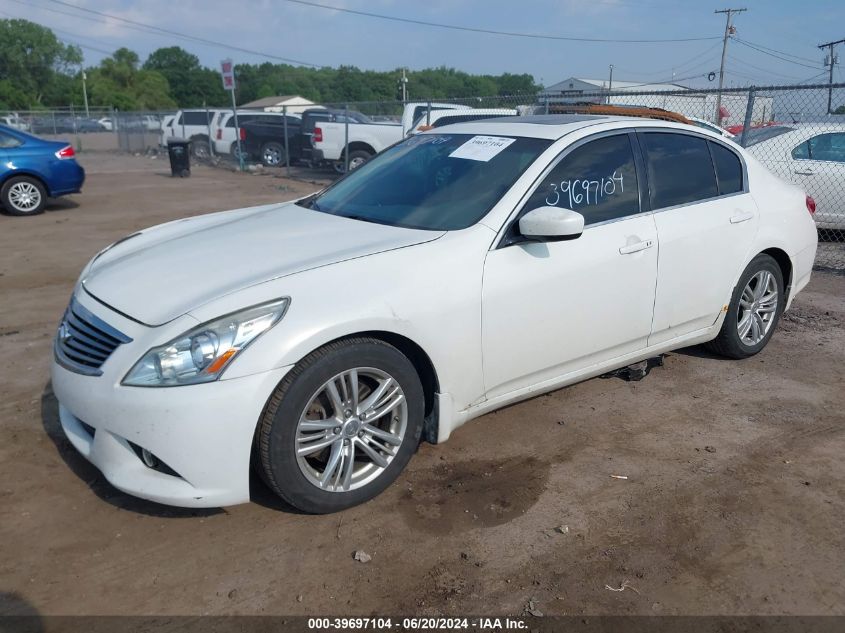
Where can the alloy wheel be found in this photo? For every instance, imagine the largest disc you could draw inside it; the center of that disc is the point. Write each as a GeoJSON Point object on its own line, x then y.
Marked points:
{"type": "Point", "coordinates": [24, 196]}
{"type": "Point", "coordinates": [757, 308]}
{"type": "Point", "coordinates": [351, 429]}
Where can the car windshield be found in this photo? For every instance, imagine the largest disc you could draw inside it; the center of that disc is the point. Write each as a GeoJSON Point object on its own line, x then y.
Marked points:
{"type": "Point", "coordinates": [433, 181]}
{"type": "Point", "coordinates": [760, 134]}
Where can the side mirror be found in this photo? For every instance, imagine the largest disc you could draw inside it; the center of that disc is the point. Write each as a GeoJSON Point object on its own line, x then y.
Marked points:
{"type": "Point", "coordinates": [551, 224]}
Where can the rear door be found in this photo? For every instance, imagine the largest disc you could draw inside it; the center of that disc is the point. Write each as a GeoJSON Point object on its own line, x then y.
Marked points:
{"type": "Point", "coordinates": [706, 221]}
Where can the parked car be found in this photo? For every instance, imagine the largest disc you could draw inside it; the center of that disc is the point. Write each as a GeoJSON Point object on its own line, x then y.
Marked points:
{"type": "Point", "coordinates": [193, 125]}
{"type": "Point", "coordinates": [448, 117]}
{"type": "Point", "coordinates": [107, 123]}
{"type": "Point", "coordinates": [451, 275]}
{"type": "Point", "coordinates": [365, 140]}
{"type": "Point", "coordinates": [313, 117]}
{"type": "Point", "coordinates": [15, 122]}
{"type": "Point", "coordinates": [225, 139]}
{"type": "Point", "coordinates": [65, 125]}
{"type": "Point", "coordinates": [265, 140]}
{"type": "Point", "coordinates": [33, 169]}
{"type": "Point", "coordinates": [811, 155]}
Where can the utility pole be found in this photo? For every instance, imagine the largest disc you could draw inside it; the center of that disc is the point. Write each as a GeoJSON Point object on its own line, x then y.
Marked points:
{"type": "Point", "coordinates": [831, 59]}
{"type": "Point", "coordinates": [729, 30]}
{"type": "Point", "coordinates": [404, 87]}
{"type": "Point", "coordinates": [610, 84]}
{"type": "Point", "coordinates": [85, 94]}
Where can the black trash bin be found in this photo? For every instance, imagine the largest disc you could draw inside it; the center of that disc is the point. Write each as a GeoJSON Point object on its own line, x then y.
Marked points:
{"type": "Point", "coordinates": [179, 151]}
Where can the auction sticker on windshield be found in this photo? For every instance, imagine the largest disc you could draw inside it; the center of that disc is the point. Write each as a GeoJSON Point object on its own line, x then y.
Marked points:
{"type": "Point", "coordinates": [482, 148]}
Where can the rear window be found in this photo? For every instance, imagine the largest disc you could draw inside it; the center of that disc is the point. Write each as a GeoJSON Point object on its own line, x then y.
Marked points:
{"type": "Point", "coordinates": [728, 169]}
{"type": "Point", "coordinates": [760, 134]}
{"type": "Point", "coordinates": [680, 170]}
{"type": "Point", "coordinates": [196, 117]}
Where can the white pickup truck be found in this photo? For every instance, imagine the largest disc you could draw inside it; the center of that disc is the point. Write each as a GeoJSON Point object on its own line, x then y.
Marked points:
{"type": "Point", "coordinates": [367, 139]}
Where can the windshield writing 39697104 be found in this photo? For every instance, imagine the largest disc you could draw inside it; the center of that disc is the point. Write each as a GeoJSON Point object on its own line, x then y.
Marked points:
{"type": "Point", "coordinates": [578, 191]}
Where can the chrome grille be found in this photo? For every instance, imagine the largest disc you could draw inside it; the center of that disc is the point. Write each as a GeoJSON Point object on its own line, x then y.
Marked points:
{"type": "Point", "coordinates": [84, 341]}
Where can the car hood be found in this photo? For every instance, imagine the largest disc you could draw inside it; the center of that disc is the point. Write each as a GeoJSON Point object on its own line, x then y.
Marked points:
{"type": "Point", "coordinates": [161, 273]}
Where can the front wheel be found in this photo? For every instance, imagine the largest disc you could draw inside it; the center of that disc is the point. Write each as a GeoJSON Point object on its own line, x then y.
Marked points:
{"type": "Point", "coordinates": [756, 305]}
{"type": "Point", "coordinates": [341, 426]}
{"type": "Point", "coordinates": [23, 195]}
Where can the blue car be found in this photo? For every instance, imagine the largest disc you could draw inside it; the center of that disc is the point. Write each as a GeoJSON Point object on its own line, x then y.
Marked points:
{"type": "Point", "coordinates": [33, 169]}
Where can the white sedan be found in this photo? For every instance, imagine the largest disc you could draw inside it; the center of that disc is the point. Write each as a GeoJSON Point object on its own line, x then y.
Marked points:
{"type": "Point", "coordinates": [811, 155]}
{"type": "Point", "coordinates": [457, 272]}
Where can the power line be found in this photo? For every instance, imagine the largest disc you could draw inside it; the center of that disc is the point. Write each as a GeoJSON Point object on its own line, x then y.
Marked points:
{"type": "Point", "coordinates": [774, 50]}
{"type": "Point", "coordinates": [674, 68]}
{"type": "Point", "coordinates": [471, 29]}
{"type": "Point", "coordinates": [760, 50]}
{"type": "Point", "coordinates": [193, 38]}
{"type": "Point", "coordinates": [764, 70]}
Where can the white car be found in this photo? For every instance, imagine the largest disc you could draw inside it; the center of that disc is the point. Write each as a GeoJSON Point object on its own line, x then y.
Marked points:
{"type": "Point", "coordinates": [451, 275]}
{"type": "Point", "coordinates": [811, 155]}
{"type": "Point", "coordinates": [440, 118]}
{"type": "Point", "coordinates": [107, 123]}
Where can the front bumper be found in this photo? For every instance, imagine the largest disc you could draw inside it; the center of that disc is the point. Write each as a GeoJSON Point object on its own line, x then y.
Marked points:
{"type": "Point", "coordinates": [203, 433]}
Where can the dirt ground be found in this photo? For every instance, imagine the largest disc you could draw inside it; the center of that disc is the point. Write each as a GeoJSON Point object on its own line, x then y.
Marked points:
{"type": "Point", "coordinates": [733, 504]}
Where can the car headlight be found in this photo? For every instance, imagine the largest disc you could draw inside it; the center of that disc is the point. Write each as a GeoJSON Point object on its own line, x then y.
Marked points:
{"type": "Point", "coordinates": [201, 354]}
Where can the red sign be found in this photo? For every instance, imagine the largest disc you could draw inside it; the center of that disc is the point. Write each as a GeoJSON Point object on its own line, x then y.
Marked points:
{"type": "Point", "coordinates": [227, 70]}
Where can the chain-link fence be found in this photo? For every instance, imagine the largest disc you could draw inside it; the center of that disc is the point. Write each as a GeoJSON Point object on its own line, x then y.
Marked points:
{"type": "Point", "coordinates": [792, 130]}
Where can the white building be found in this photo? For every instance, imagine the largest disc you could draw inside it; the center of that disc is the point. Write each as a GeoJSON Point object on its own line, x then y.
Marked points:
{"type": "Point", "coordinates": [294, 103]}
{"type": "Point", "coordinates": [677, 98]}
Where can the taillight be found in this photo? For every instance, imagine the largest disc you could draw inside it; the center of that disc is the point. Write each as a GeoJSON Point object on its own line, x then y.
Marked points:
{"type": "Point", "coordinates": [65, 152]}
{"type": "Point", "coordinates": [242, 133]}
{"type": "Point", "coordinates": [219, 134]}
{"type": "Point", "coordinates": [318, 135]}
{"type": "Point", "coordinates": [811, 205]}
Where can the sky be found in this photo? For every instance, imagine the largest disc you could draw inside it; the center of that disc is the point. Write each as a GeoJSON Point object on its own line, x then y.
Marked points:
{"type": "Point", "coordinates": [789, 29]}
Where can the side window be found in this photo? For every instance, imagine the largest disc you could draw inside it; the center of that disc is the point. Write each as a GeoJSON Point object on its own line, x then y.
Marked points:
{"type": "Point", "coordinates": [7, 141]}
{"type": "Point", "coordinates": [180, 119]}
{"type": "Point", "coordinates": [680, 170]}
{"type": "Point", "coordinates": [728, 169]}
{"type": "Point", "coordinates": [830, 147]}
{"type": "Point", "coordinates": [598, 179]}
{"type": "Point", "coordinates": [802, 152]}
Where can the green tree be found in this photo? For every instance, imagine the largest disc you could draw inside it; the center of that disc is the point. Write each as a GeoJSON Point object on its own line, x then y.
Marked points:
{"type": "Point", "coordinates": [191, 85]}
{"type": "Point", "coordinates": [31, 57]}
{"type": "Point", "coordinates": [118, 83]}
{"type": "Point", "coordinates": [840, 110]}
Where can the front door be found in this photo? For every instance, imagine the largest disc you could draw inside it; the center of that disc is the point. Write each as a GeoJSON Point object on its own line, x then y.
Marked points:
{"type": "Point", "coordinates": [552, 308]}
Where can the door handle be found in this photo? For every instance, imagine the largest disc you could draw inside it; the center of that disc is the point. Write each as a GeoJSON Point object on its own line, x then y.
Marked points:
{"type": "Point", "coordinates": [808, 172]}
{"type": "Point", "coordinates": [741, 217]}
{"type": "Point", "coordinates": [634, 248]}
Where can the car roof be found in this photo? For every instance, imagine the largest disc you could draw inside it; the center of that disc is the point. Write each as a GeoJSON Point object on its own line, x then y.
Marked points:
{"type": "Point", "coordinates": [554, 126]}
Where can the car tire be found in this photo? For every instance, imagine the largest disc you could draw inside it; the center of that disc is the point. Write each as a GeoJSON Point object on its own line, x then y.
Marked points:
{"type": "Point", "coordinates": [356, 159]}
{"type": "Point", "coordinates": [304, 440]}
{"type": "Point", "coordinates": [273, 154]}
{"type": "Point", "coordinates": [200, 148]}
{"type": "Point", "coordinates": [23, 195]}
{"type": "Point", "coordinates": [235, 153]}
{"type": "Point", "coordinates": [756, 304]}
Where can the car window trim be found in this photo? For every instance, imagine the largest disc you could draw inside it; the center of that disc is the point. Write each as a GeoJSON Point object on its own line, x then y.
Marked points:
{"type": "Point", "coordinates": [706, 137]}
{"type": "Point", "coordinates": [502, 239]}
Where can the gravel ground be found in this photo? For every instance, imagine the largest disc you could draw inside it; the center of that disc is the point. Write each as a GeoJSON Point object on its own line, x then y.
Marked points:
{"type": "Point", "coordinates": [733, 502]}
